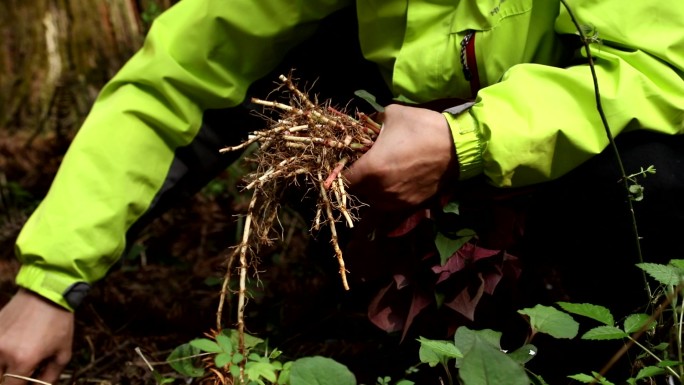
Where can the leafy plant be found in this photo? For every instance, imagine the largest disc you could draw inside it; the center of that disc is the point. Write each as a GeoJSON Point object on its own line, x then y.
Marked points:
{"type": "Point", "coordinates": [669, 276]}
{"type": "Point", "coordinates": [478, 359]}
{"type": "Point", "coordinates": [220, 356]}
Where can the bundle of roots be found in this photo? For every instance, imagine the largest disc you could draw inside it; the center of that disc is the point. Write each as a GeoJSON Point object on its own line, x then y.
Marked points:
{"type": "Point", "coordinates": [307, 145]}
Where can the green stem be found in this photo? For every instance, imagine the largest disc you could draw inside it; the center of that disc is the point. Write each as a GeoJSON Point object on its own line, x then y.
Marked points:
{"type": "Point", "coordinates": [448, 373]}
{"type": "Point", "coordinates": [679, 336]}
{"type": "Point", "coordinates": [604, 120]}
{"type": "Point", "coordinates": [653, 355]}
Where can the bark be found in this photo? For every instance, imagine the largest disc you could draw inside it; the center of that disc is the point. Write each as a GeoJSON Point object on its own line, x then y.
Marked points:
{"type": "Point", "coordinates": [55, 55]}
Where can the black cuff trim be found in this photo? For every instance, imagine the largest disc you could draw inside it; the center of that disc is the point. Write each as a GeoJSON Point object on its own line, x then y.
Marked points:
{"type": "Point", "coordinates": [76, 293]}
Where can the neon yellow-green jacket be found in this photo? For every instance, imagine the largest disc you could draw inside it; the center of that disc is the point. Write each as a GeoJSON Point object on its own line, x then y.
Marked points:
{"type": "Point", "coordinates": [534, 116]}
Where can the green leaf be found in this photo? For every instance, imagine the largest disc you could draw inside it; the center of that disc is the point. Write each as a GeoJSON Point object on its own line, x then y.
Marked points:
{"type": "Point", "coordinates": [224, 343]}
{"type": "Point", "coordinates": [161, 380]}
{"type": "Point", "coordinates": [536, 379]}
{"type": "Point", "coordinates": [452, 208]}
{"type": "Point", "coordinates": [595, 312]}
{"type": "Point", "coordinates": [443, 348]}
{"type": "Point", "coordinates": [662, 346]}
{"type": "Point", "coordinates": [466, 233]}
{"type": "Point", "coordinates": [254, 357]}
{"type": "Point", "coordinates": [637, 192]}
{"type": "Point", "coordinates": [587, 379]}
{"type": "Point", "coordinates": [483, 363]}
{"type": "Point", "coordinates": [667, 363]}
{"type": "Point", "coordinates": [665, 274]}
{"type": "Point", "coordinates": [493, 337]}
{"type": "Point", "coordinates": [284, 376]}
{"type": "Point", "coordinates": [237, 358]}
{"type": "Point", "coordinates": [649, 371]}
{"type": "Point", "coordinates": [405, 382]}
{"type": "Point", "coordinates": [584, 378]}
{"type": "Point", "coordinates": [370, 98]}
{"type": "Point", "coordinates": [447, 246]}
{"type": "Point", "coordinates": [678, 263]}
{"type": "Point", "coordinates": [275, 353]}
{"type": "Point", "coordinates": [235, 371]}
{"type": "Point", "coordinates": [250, 341]}
{"type": "Point", "coordinates": [551, 321]}
{"type": "Point", "coordinates": [319, 370]}
{"type": "Point", "coordinates": [434, 352]}
{"type": "Point", "coordinates": [635, 322]}
{"type": "Point", "coordinates": [183, 360]}
{"type": "Point", "coordinates": [523, 354]}
{"type": "Point", "coordinates": [222, 359]}
{"type": "Point", "coordinates": [256, 370]}
{"type": "Point", "coordinates": [601, 333]}
{"type": "Point", "coordinates": [206, 345]}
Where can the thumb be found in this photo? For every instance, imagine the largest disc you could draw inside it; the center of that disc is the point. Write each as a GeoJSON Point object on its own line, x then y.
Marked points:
{"type": "Point", "coordinates": [355, 172]}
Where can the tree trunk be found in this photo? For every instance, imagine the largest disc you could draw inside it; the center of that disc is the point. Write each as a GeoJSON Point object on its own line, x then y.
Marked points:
{"type": "Point", "coordinates": [55, 55]}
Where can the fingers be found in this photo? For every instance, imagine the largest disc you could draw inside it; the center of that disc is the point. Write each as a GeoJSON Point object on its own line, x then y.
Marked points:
{"type": "Point", "coordinates": [48, 373]}
{"type": "Point", "coordinates": [16, 376]}
{"type": "Point", "coordinates": [52, 371]}
{"type": "Point", "coordinates": [34, 331]}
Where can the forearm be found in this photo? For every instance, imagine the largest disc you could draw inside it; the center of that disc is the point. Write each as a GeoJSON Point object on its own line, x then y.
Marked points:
{"type": "Point", "coordinates": [199, 55]}
{"type": "Point", "coordinates": [540, 122]}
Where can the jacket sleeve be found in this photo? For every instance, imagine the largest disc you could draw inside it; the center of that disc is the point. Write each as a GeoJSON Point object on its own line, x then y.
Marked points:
{"type": "Point", "coordinates": [540, 122]}
{"type": "Point", "coordinates": [199, 55]}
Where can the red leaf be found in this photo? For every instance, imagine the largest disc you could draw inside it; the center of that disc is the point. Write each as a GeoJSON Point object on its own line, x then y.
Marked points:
{"type": "Point", "coordinates": [401, 281]}
{"type": "Point", "coordinates": [465, 303]}
{"type": "Point", "coordinates": [418, 303]}
{"type": "Point", "coordinates": [408, 224]}
{"type": "Point", "coordinates": [465, 256]}
{"type": "Point", "coordinates": [380, 310]}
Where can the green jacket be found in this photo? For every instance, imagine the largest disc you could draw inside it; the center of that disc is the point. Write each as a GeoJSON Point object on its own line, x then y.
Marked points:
{"type": "Point", "coordinates": [534, 116]}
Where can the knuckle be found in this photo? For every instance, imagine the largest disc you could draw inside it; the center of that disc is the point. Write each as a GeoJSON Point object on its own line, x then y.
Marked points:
{"type": "Point", "coordinates": [63, 358]}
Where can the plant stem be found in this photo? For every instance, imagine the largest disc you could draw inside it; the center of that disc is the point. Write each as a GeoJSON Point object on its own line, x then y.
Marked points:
{"type": "Point", "coordinates": [448, 373]}
{"type": "Point", "coordinates": [604, 120]}
{"type": "Point", "coordinates": [650, 353]}
{"type": "Point", "coordinates": [638, 334]}
{"type": "Point", "coordinates": [679, 335]}
{"type": "Point", "coordinates": [224, 289]}
{"type": "Point", "coordinates": [243, 274]}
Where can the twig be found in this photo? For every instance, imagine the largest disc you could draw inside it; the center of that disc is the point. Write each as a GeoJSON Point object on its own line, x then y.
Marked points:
{"type": "Point", "coordinates": [609, 134]}
{"type": "Point", "coordinates": [641, 331]}
{"type": "Point", "coordinates": [137, 350]}
{"type": "Point", "coordinates": [29, 379]}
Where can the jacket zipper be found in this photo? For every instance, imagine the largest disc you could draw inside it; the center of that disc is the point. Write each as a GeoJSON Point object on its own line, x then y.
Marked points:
{"type": "Point", "coordinates": [469, 62]}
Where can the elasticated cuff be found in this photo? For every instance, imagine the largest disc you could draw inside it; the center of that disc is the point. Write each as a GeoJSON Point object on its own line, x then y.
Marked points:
{"type": "Point", "coordinates": [468, 144]}
{"type": "Point", "coordinates": [55, 286]}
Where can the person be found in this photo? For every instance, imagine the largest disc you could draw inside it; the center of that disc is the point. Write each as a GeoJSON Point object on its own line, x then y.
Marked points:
{"type": "Point", "coordinates": [531, 119]}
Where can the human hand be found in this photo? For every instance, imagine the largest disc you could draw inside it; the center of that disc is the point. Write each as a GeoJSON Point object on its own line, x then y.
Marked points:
{"type": "Point", "coordinates": [411, 158]}
{"type": "Point", "coordinates": [34, 333]}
